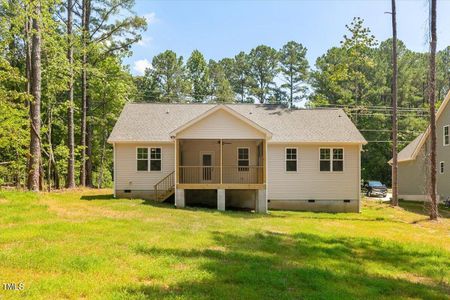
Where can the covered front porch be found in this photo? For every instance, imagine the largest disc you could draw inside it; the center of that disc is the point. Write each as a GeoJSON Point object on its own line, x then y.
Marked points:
{"type": "Point", "coordinates": [233, 171]}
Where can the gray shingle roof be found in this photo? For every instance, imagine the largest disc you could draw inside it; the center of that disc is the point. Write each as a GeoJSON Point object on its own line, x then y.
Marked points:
{"type": "Point", "coordinates": [407, 152]}
{"type": "Point", "coordinates": [154, 122]}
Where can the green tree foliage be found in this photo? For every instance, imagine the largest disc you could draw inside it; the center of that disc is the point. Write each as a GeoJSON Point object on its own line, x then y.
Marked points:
{"type": "Point", "coordinates": [237, 70]}
{"type": "Point", "coordinates": [357, 76]}
{"type": "Point", "coordinates": [168, 74]}
{"type": "Point", "coordinates": [14, 133]}
{"type": "Point", "coordinates": [113, 29]}
{"type": "Point", "coordinates": [220, 86]}
{"type": "Point", "coordinates": [294, 71]}
{"type": "Point", "coordinates": [263, 62]}
{"type": "Point", "coordinates": [198, 75]}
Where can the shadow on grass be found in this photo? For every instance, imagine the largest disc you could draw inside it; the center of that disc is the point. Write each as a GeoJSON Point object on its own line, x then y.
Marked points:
{"type": "Point", "coordinates": [282, 266]}
{"type": "Point", "coordinates": [423, 208]}
{"type": "Point", "coordinates": [98, 197]}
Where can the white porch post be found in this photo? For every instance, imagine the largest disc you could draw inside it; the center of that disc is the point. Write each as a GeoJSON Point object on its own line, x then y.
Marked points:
{"type": "Point", "coordinates": [261, 201]}
{"type": "Point", "coordinates": [221, 161]}
{"type": "Point", "coordinates": [221, 199]}
{"type": "Point", "coordinates": [179, 198]}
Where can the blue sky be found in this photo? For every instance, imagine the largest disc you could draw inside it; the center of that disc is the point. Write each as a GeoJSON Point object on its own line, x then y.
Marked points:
{"type": "Point", "coordinates": [223, 28]}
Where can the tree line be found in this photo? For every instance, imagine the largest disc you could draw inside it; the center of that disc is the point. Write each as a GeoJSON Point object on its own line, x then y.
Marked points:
{"type": "Point", "coordinates": [264, 75]}
{"type": "Point", "coordinates": [63, 84]}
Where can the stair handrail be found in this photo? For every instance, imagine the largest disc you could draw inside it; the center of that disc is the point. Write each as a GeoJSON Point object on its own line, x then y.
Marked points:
{"type": "Point", "coordinates": [167, 181]}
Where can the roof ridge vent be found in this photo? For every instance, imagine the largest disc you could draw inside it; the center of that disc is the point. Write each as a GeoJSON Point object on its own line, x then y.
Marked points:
{"type": "Point", "coordinates": [167, 111]}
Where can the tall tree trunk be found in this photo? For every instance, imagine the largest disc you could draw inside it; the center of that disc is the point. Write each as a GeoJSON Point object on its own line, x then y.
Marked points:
{"type": "Point", "coordinates": [291, 88]}
{"type": "Point", "coordinates": [84, 88]}
{"type": "Point", "coordinates": [52, 168]}
{"type": "Point", "coordinates": [102, 161]}
{"type": "Point", "coordinates": [70, 182]}
{"type": "Point", "coordinates": [394, 108]}
{"type": "Point", "coordinates": [89, 133]}
{"type": "Point", "coordinates": [432, 100]}
{"type": "Point", "coordinates": [35, 105]}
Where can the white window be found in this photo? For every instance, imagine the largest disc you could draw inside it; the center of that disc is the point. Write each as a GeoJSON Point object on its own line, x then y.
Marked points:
{"type": "Point", "coordinates": [243, 159]}
{"type": "Point", "coordinates": [331, 159]}
{"type": "Point", "coordinates": [291, 159]}
{"type": "Point", "coordinates": [338, 160]}
{"type": "Point", "coordinates": [142, 159]}
{"type": "Point", "coordinates": [441, 167]}
{"type": "Point", "coordinates": [155, 159]}
{"type": "Point", "coordinates": [446, 136]}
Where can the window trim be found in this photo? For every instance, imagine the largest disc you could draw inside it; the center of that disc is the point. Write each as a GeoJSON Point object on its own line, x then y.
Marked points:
{"type": "Point", "coordinates": [332, 159]}
{"type": "Point", "coordinates": [150, 158]}
{"type": "Point", "coordinates": [343, 159]}
{"type": "Point", "coordinates": [442, 167]}
{"type": "Point", "coordinates": [137, 159]}
{"type": "Point", "coordinates": [240, 168]}
{"type": "Point", "coordinates": [286, 159]}
{"type": "Point", "coordinates": [448, 135]}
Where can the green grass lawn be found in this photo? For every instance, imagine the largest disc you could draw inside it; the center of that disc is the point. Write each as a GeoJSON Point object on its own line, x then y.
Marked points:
{"type": "Point", "coordinates": [85, 244]}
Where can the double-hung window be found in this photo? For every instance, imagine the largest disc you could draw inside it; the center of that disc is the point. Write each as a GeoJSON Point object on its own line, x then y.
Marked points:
{"type": "Point", "coordinates": [142, 159]}
{"type": "Point", "coordinates": [291, 159]}
{"type": "Point", "coordinates": [155, 159]}
{"type": "Point", "coordinates": [446, 135]}
{"type": "Point", "coordinates": [243, 159]}
{"type": "Point", "coordinates": [338, 160]}
{"type": "Point", "coordinates": [331, 159]}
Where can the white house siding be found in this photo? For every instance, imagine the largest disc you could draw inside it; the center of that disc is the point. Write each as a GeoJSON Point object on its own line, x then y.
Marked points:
{"type": "Point", "coordinates": [292, 190]}
{"type": "Point", "coordinates": [220, 124]}
{"type": "Point", "coordinates": [139, 183]}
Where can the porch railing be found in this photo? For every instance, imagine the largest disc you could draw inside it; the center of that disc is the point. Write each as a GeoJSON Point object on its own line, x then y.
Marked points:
{"type": "Point", "coordinates": [221, 174]}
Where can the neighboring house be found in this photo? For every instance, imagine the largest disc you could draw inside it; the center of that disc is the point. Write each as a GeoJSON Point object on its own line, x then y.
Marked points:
{"type": "Point", "coordinates": [413, 166]}
{"type": "Point", "coordinates": [240, 155]}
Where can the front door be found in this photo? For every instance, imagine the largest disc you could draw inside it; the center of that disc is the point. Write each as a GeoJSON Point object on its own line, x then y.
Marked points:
{"type": "Point", "coordinates": [207, 166]}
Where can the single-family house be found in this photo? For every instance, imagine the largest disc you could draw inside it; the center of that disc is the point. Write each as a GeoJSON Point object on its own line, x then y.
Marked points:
{"type": "Point", "coordinates": [238, 155]}
{"type": "Point", "coordinates": [413, 160]}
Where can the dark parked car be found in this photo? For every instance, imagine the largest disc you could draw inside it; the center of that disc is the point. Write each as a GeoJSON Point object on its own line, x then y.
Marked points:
{"type": "Point", "coordinates": [374, 188]}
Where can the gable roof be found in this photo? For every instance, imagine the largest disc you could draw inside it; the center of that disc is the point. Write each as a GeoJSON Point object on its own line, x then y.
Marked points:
{"type": "Point", "coordinates": [410, 152]}
{"type": "Point", "coordinates": [156, 122]}
{"type": "Point", "coordinates": [228, 110]}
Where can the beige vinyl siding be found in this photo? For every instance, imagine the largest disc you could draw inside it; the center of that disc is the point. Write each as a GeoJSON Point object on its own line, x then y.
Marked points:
{"type": "Point", "coordinates": [191, 156]}
{"type": "Point", "coordinates": [443, 154]}
{"type": "Point", "coordinates": [220, 124]}
{"type": "Point", "coordinates": [309, 182]}
{"type": "Point", "coordinates": [412, 174]}
{"type": "Point", "coordinates": [191, 151]}
{"type": "Point", "coordinates": [128, 178]}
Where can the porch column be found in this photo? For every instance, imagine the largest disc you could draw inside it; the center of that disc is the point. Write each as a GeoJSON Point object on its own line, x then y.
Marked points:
{"type": "Point", "coordinates": [221, 199]}
{"type": "Point", "coordinates": [261, 201]}
{"type": "Point", "coordinates": [221, 161]}
{"type": "Point", "coordinates": [179, 198]}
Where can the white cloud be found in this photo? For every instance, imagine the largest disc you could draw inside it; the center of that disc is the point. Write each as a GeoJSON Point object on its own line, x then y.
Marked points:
{"type": "Point", "coordinates": [141, 65]}
{"type": "Point", "coordinates": [151, 18]}
{"type": "Point", "coordinates": [145, 41]}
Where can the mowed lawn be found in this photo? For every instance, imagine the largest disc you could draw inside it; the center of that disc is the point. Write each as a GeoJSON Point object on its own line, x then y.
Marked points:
{"type": "Point", "coordinates": [85, 244]}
